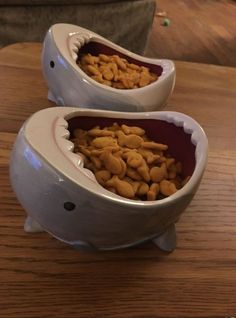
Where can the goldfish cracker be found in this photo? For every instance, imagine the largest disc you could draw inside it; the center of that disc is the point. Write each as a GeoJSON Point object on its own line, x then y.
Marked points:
{"type": "Point", "coordinates": [87, 59]}
{"type": "Point", "coordinates": [92, 70]}
{"type": "Point", "coordinates": [135, 78]}
{"type": "Point", "coordinates": [99, 151]}
{"type": "Point", "coordinates": [98, 78]}
{"type": "Point", "coordinates": [162, 159]}
{"type": "Point", "coordinates": [107, 73]}
{"type": "Point", "coordinates": [101, 142]}
{"type": "Point", "coordinates": [167, 188]}
{"type": "Point", "coordinates": [119, 62]}
{"type": "Point", "coordinates": [132, 130]}
{"type": "Point", "coordinates": [153, 192]}
{"type": "Point", "coordinates": [143, 170]}
{"type": "Point", "coordinates": [158, 173]}
{"type": "Point", "coordinates": [154, 145]}
{"type": "Point", "coordinates": [104, 58]}
{"type": "Point", "coordinates": [111, 163]}
{"type": "Point", "coordinates": [115, 127]}
{"type": "Point", "coordinates": [103, 176]}
{"type": "Point", "coordinates": [148, 155]}
{"type": "Point", "coordinates": [123, 168]}
{"type": "Point", "coordinates": [135, 185]}
{"type": "Point", "coordinates": [133, 174]}
{"type": "Point", "coordinates": [127, 82]}
{"type": "Point", "coordinates": [134, 66]}
{"type": "Point", "coordinates": [131, 141]}
{"type": "Point", "coordinates": [173, 168]}
{"type": "Point", "coordinates": [145, 80]}
{"type": "Point", "coordinates": [143, 188]}
{"type": "Point", "coordinates": [114, 68]}
{"type": "Point", "coordinates": [134, 159]}
{"type": "Point", "coordinates": [122, 187]}
{"type": "Point", "coordinates": [97, 132]}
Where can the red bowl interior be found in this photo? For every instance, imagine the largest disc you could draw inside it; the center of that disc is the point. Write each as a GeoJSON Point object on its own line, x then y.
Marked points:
{"type": "Point", "coordinates": [179, 142]}
{"type": "Point", "coordinates": [96, 48]}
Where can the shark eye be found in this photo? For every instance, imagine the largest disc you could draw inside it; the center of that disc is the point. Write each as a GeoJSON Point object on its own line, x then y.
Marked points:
{"type": "Point", "coordinates": [69, 206]}
{"type": "Point", "coordinates": [52, 64]}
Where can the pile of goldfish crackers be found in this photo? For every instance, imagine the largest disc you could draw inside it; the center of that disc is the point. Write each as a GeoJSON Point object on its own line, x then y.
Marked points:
{"type": "Point", "coordinates": [126, 162]}
{"type": "Point", "coordinates": [116, 72]}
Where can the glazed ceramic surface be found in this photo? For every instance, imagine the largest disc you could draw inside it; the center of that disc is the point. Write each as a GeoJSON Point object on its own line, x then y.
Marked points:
{"type": "Point", "coordinates": [64, 198]}
{"type": "Point", "coordinates": [69, 85]}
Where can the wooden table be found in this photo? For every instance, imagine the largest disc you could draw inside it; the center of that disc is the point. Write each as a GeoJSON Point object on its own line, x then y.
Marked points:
{"type": "Point", "coordinates": [42, 277]}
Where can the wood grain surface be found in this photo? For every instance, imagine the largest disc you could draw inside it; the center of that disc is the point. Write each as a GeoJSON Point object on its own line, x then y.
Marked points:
{"type": "Point", "coordinates": [41, 277]}
{"type": "Point", "coordinates": [199, 31]}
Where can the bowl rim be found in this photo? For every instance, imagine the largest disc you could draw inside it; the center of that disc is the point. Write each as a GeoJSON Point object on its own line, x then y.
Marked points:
{"type": "Point", "coordinates": [59, 115]}
{"type": "Point", "coordinates": [60, 33]}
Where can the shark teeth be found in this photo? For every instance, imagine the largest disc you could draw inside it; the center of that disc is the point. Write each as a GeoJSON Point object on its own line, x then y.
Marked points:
{"type": "Point", "coordinates": [62, 136]}
{"type": "Point", "coordinates": [76, 41]}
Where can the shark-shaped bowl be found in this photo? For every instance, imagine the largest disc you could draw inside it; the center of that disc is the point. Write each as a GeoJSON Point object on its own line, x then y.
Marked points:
{"type": "Point", "coordinates": [69, 85]}
{"type": "Point", "coordinates": [63, 198]}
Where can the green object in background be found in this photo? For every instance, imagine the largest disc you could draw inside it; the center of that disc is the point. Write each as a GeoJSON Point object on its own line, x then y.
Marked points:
{"type": "Point", "coordinates": [166, 22]}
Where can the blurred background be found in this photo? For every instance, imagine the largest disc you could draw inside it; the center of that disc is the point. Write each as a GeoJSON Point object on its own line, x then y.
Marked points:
{"type": "Point", "coordinates": [189, 30]}
{"type": "Point", "coordinates": [201, 31]}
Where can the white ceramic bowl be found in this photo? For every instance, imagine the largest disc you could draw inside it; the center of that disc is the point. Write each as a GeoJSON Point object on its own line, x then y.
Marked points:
{"type": "Point", "coordinates": [69, 85]}
{"type": "Point", "coordinates": [64, 198]}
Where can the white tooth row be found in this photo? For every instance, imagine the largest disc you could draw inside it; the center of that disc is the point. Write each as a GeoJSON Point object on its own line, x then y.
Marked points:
{"type": "Point", "coordinates": [76, 41]}
{"type": "Point", "coordinates": [62, 138]}
{"type": "Point", "coordinates": [62, 135]}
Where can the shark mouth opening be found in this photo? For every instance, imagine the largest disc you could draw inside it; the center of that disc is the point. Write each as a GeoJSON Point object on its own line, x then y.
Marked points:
{"type": "Point", "coordinates": [80, 44]}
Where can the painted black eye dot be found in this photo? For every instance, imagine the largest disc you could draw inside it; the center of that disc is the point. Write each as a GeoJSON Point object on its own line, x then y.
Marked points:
{"type": "Point", "coordinates": [52, 64]}
{"type": "Point", "coordinates": [69, 206]}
